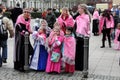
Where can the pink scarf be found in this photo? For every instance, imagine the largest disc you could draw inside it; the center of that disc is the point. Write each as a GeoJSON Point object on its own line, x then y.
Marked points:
{"type": "Point", "coordinates": [21, 19]}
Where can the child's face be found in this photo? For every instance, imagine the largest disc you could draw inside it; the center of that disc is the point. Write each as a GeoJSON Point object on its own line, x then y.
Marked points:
{"type": "Point", "coordinates": [67, 32]}
{"type": "Point", "coordinates": [43, 23]}
{"type": "Point", "coordinates": [119, 27]}
{"type": "Point", "coordinates": [40, 30]}
{"type": "Point", "coordinates": [57, 32]}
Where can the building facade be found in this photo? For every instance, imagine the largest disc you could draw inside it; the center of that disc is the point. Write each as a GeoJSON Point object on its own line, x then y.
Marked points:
{"type": "Point", "coordinates": [43, 4]}
{"type": "Point", "coordinates": [116, 2]}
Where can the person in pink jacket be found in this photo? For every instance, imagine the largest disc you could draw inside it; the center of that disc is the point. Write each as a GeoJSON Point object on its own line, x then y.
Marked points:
{"type": "Point", "coordinates": [105, 25]}
{"type": "Point", "coordinates": [95, 29]}
{"type": "Point", "coordinates": [83, 30]}
{"type": "Point", "coordinates": [65, 19]}
{"type": "Point", "coordinates": [117, 38]}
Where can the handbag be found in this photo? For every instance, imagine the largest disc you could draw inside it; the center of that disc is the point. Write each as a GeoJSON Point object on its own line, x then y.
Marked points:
{"type": "Point", "coordinates": [55, 57]}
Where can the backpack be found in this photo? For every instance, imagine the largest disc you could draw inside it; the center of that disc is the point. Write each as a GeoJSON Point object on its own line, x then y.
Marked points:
{"type": "Point", "coordinates": [3, 30]}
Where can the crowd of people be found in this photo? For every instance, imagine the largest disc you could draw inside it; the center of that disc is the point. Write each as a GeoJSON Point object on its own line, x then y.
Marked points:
{"type": "Point", "coordinates": [58, 42]}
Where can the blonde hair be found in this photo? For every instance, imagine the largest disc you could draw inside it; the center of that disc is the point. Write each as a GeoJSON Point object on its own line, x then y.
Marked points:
{"type": "Point", "coordinates": [66, 9]}
{"type": "Point", "coordinates": [26, 10]}
{"type": "Point", "coordinates": [56, 24]}
{"type": "Point", "coordinates": [84, 7]}
{"type": "Point", "coordinates": [56, 28]}
{"type": "Point", "coordinates": [44, 29]}
{"type": "Point", "coordinates": [43, 20]}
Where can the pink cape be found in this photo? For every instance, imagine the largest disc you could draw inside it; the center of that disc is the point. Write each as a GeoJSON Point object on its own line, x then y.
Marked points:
{"type": "Point", "coordinates": [69, 47]}
{"type": "Point", "coordinates": [116, 42]}
{"type": "Point", "coordinates": [21, 19]}
{"type": "Point", "coordinates": [68, 22]}
{"type": "Point", "coordinates": [54, 66]}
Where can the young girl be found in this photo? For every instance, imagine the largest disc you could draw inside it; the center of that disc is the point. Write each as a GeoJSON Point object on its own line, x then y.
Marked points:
{"type": "Point", "coordinates": [39, 58]}
{"type": "Point", "coordinates": [69, 51]}
{"type": "Point", "coordinates": [56, 24]}
{"type": "Point", "coordinates": [54, 56]}
{"type": "Point", "coordinates": [117, 38]}
{"type": "Point", "coordinates": [45, 25]}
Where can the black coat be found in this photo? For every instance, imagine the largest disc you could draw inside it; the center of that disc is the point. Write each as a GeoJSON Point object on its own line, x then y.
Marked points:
{"type": "Point", "coordinates": [19, 55]}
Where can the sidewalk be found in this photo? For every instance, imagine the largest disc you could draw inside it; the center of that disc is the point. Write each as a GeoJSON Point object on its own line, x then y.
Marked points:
{"type": "Point", "coordinates": [103, 65]}
{"type": "Point", "coordinates": [103, 62]}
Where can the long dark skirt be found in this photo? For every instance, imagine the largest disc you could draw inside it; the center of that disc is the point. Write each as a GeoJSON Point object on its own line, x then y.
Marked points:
{"type": "Point", "coordinates": [79, 54]}
{"type": "Point", "coordinates": [95, 27]}
{"type": "Point", "coordinates": [19, 56]}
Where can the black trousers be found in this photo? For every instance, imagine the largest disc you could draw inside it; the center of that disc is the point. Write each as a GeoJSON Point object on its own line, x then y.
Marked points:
{"type": "Point", "coordinates": [95, 26]}
{"type": "Point", "coordinates": [106, 32]}
{"type": "Point", "coordinates": [79, 58]}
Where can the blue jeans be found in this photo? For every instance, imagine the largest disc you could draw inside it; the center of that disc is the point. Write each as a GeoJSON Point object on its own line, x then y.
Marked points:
{"type": "Point", "coordinates": [3, 46]}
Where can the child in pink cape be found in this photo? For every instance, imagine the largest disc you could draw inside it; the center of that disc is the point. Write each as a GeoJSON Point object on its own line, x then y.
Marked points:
{"type": "Point", "coordinates": [54, 42]}
{"type": "Point", "coordinates": [69, 51]}
{"type": "Point", "coordinates": [117, 38]}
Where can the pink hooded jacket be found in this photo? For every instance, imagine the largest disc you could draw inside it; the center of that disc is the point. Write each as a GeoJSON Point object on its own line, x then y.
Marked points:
{"type": "Point", "coordinates": [95, 15]}
{"type": "Point", "coordinates": [109, 23]}
{"type": "Point", "coordinates": [83, 24]}
{"type": "Point", "coordinates": [68, 22]}
{"type": "Point", "coordinates": [117, 32]}
{"type": "Point", "coordinates": [116, 42]}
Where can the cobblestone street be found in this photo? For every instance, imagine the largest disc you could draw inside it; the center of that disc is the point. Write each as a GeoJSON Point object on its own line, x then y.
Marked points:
{"type": "Point", "coordinates": [103, 65]}
{"type": "Point", "coordinates": [11, 74]}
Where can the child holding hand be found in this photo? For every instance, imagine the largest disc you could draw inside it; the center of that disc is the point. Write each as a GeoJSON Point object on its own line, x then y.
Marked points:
{"type": "Point", "coordinates": [54, 56]}
{"type": "Point", "coordinates": [39, 57]}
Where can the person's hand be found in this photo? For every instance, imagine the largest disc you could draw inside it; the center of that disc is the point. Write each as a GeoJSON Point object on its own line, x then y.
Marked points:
{"type": "Point", "coordinates": [56, 38]}
{"type": "Point", "coordinates": [11, 35]}
{"type": "Point", "coordinates": [31, 32]}
{"type": "Point", "coordinates": [111, 31]}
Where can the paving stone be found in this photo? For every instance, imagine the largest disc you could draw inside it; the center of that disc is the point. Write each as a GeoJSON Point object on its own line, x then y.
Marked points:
{"type": "Point", "coordinates": [97, 57]}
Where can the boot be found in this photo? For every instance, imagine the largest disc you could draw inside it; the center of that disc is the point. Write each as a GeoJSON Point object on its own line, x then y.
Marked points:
{"type": "Point", "coordinates": [109, 41]}
{"type": "Point", "coordinates": [110, 45]}
{"type": "Point", "coordinates": [103, 44]}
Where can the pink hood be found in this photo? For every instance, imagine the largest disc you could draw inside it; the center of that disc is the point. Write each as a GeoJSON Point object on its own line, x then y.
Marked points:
{"type": "Point", "coordinates": [69, 47]}
{"type": "Point", "coordinates": [109, 23]}
{"type": "Point", "coordinates": [68, 22]}
{"type": "Point", "coordinates": [21, 19]}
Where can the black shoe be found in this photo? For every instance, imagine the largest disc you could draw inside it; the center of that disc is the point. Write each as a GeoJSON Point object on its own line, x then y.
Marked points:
{"type": "Point", "coordinates": [4, 60]}
{"type": "Point", "coordinates": [0, 65]}
{"type": "Point", "coordinates": [21, 70]}
{"type": "Point", "coordinates": [110, 46]}
{"type": "Point", "coordinates": [102, 46]}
